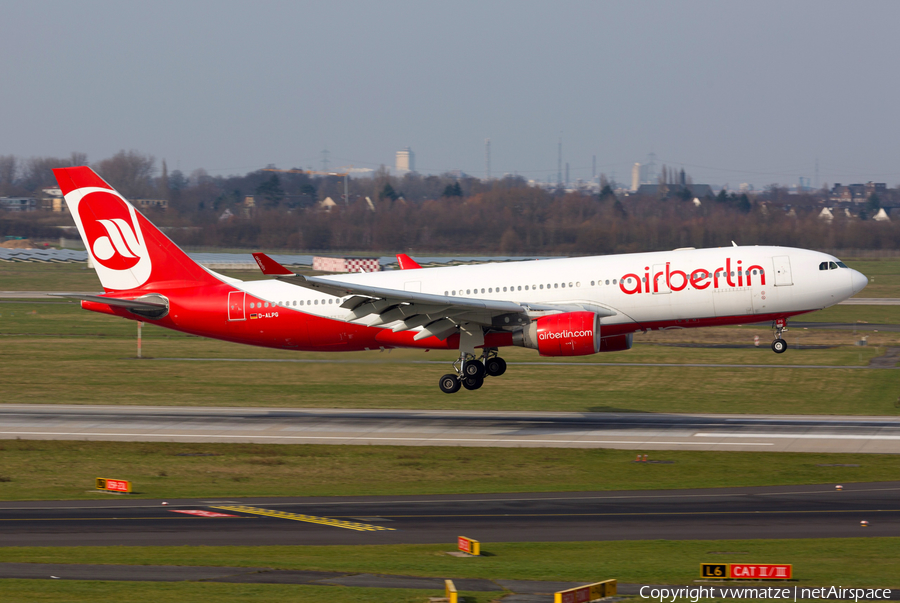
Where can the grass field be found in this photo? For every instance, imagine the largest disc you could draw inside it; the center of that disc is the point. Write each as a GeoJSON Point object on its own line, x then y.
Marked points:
{"type": "Point", "coordinates": [822, 561]}
{"type": "Point", "coordinates": [54, 352]}
{"type": "Point", "coordinates": [65, 470]}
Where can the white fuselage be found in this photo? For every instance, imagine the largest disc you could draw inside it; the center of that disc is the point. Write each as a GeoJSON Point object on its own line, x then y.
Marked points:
{"type": "Point", "coordinates": [645, 290]}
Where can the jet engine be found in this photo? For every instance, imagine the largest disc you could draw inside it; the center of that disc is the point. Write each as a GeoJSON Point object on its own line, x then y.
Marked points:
{"type": "Point", "coordinates": [568, 334]}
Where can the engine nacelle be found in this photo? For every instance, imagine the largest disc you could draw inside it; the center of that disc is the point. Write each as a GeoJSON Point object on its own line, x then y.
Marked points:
{"type": "Point", "coordinates": [568, 334]}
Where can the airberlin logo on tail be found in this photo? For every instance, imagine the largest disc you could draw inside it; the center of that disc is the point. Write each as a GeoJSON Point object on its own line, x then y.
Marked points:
{"type": "Point", "coordinates": [664, 279]}
{"type": "Point", "coordinates": [118, 249]}
{"type": "Point", "coordinates": [113, 235]}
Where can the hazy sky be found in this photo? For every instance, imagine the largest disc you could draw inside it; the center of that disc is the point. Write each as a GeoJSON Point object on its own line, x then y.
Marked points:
{"type": "Point", "coordinates": [731, 91]}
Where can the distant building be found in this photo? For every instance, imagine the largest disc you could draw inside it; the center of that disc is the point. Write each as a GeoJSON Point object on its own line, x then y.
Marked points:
{"type": "Point", "coordinates": [18, 204]}
{"type": "Point", "coordinates": [323, 264]}
{"type": "Point", "coordinates": [160, 204]}
{"type": "Point", "coordinates": [857, 193]}
{"type": "Point", "coordinates": [406, 161]}
{"type": "Point", "coordinates": [635, 176]}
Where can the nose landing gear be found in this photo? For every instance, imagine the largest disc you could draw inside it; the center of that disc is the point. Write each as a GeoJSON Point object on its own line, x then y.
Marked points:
{"type": "Point", "coordinates": [779, 345]}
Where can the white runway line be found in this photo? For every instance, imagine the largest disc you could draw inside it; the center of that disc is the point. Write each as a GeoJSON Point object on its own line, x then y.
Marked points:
{"type": "Point", "coordinates": [368, 438]}
{"type": "Point", "coordinates": [807, 436]}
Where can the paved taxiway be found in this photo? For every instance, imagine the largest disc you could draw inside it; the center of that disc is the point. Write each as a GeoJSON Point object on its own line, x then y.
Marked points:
{"type": "Point", "coordinates": [635, 431]}
{"type": "Point", "coordinates": [816, 511]}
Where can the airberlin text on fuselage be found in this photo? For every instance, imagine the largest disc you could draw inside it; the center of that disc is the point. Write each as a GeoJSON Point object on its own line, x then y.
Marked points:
{"type": "Point", "coordinates": [699, 278]}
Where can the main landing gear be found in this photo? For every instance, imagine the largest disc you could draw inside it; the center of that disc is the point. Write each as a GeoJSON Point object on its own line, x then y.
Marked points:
{"type": "Point", "coordinates": [779, 345]}
{"type": "Point", "coordinates": [471, 371]}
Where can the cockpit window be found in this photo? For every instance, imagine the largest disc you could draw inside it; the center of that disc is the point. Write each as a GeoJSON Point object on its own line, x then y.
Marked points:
{"type": "Point", "coordinates": [823, 266]}
{"type": "Point", "coordinates": [842, 265]}
{"type": "Point", "coordinates": [832, 266]}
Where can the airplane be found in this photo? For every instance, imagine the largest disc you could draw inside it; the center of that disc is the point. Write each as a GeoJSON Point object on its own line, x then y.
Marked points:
{"type": "Point", "coordinates": [559, 307]}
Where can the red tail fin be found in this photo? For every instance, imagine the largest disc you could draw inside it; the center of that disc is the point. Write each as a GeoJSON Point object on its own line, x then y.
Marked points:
{"type": "Point", "coordinates": [127, 251]}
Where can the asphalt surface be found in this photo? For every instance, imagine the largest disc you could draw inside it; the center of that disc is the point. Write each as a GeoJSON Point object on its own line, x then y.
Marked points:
{"type": "Point", "coordinates": [816, 511]}
{"type": "Point", "coordinates": [636, 431]}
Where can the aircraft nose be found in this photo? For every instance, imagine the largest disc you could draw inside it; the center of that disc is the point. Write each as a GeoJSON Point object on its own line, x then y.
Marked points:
{"type": "Point", "coordinates": [858, 281]}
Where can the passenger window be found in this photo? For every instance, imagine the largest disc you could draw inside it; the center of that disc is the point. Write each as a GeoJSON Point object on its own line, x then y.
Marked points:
{"type": "Point", "coordinates": [577, 284]}
{"type": "Point", "coordinates": [482, 289]}
{"type": "Point", "coordinates": [542, 286]}
{"type": "Point", "coordinates": [563, 285]}
{"type": "Point", "coordinates": [614, 282]}
{"type": "Point", "coordinates": [520, 287]}
{"type": "Point", "coordinates": [468, 291]}
{"type": "Point", "coordinates": [592, 283]}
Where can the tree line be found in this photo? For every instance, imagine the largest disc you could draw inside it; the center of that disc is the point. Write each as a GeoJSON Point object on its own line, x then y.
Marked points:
{"type": "Point", "coordinates": [445, 213]}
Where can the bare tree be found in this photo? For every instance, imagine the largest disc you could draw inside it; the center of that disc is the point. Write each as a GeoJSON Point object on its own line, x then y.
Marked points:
{"type": "Point", "coordinates": [8, 171]}
{"type": "Point", "coordinates": [129, 172]}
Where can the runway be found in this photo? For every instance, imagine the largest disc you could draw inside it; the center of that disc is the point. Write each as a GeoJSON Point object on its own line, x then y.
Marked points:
{"type": "Point", "coordinates": [817, 511]}
{"type": "Point", "coordinates": [641, 431]}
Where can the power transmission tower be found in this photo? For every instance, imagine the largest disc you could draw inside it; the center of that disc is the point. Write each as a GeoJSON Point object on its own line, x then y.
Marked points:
{"type": "Point", "coordinates": [559, 163]}
{"type": "Point", "coordinates": [487, 158]}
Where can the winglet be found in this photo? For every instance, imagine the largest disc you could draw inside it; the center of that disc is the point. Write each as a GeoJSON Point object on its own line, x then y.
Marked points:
{"type": "Point", "coordinates": [270, 266]}
{"type": "Point", "coordinates": [406, 262]}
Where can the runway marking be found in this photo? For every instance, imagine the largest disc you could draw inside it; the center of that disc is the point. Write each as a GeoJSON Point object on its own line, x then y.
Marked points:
{"type": "Point", "coordinates": [806, 436]}
{"type": "Point", "coordinates": [201, 513]}
{"type": "Point", "coordinates": [511, 439]}
{"type": "Point", "coordinates": [326, 521]}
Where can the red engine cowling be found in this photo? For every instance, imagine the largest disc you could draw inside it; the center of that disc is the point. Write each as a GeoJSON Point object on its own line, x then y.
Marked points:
{"type": "Point", "coordinates": [569, 334]}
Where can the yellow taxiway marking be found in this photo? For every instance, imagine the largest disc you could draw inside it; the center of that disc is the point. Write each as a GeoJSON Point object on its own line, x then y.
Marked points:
{"type": "Point", "coordinates": [325, 521]}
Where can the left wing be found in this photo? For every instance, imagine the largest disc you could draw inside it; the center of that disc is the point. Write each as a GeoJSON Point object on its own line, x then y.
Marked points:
{"type": "Point", "coordinates": [438, 315]}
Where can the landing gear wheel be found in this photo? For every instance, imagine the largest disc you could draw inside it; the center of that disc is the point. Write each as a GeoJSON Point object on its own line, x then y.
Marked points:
{"type": "Point", "coordinates": [449, 383]}
{"type": "Point", "coordinates": [495, 367]}
{"type": "Point", "coordinates": [473, 368]}
{"type": "Point", "coordinates": [472, 383]}
{"type": "Point", "coordinates": [779, 346]}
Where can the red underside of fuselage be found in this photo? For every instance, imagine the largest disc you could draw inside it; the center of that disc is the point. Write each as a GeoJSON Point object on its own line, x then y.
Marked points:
{"type": "Point", "coordinates": [204, 311]}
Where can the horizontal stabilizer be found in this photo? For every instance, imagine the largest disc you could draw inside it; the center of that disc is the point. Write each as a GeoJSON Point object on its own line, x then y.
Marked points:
{"type": "Point", "coordinates": [150, 302]}
{"type": "Point", "coordinates": [270, 266]}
